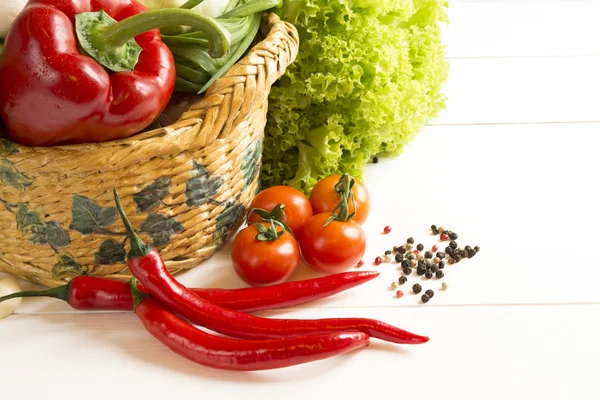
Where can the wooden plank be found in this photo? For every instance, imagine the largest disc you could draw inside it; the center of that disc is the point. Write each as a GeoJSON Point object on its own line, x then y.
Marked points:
{"type": "Point", "coordinates": [522, 29]}
{"type": "Point", "coordinates": [527, 194]}
{"type": "Point", "coordinates": [502, 352]}
{"type": "Point", "coordinates": [522, 90]}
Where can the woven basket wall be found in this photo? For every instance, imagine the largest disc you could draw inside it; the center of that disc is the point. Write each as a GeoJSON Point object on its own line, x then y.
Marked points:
{"type": "Point", "coordinates": [185, 187]}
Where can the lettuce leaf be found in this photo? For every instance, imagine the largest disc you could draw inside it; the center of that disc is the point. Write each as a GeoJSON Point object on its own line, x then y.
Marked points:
{"type": "Point", "coordinates": [367, 78]}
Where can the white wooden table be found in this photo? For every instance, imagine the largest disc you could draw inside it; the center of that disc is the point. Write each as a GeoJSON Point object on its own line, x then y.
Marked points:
{"type": "Point", "coordinates": [512, 165]}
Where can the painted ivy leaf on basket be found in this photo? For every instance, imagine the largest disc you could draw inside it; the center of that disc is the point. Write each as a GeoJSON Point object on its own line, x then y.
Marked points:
{"type": "Point", "coordinates": [251, 163]}
{"type": "Point", "coordinates": [9, 175]}
{"type": "Point", "coordinates": [201, 187]}
{"type": "Point", "coordinates": [227, 219]}
{"type": "Point", "coordinates": [67, 267]}
{"type": "Point", "coordinates": [51, 233]}
{"type": "Point", "coordinates": [88, 217]}
{"type": "Point", "coordinates": [150, 197]}
{"type": "Point", "coordinates": [110, 252]}
{"type": "Point", "coordinates": [28, 219]}
{"type": "Point", "coordinates": [7, 148]}
{"type": "Point", "coordinates": [160, 228]}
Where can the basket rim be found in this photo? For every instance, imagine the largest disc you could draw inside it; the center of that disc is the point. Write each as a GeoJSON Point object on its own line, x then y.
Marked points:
{"type": "Point", "coordinates": [271, 20]}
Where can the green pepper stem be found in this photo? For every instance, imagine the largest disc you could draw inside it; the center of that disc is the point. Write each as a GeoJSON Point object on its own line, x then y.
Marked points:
{"type": "Point", "coordinates": [60, 292]}
{"type": "Point", "coordinates": [138, 247]}
{"type": "Point", "coordinates": [118, 34]}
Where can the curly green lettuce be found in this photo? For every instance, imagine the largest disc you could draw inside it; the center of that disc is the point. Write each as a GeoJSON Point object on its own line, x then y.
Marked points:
{"type": "Point", "coordinates": [367, 78]}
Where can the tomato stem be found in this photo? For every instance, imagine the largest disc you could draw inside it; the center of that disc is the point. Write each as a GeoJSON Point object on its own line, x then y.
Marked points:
{"type": "Point", "coordinates": [341, 212]}
{"type": "Point", "coordinates": [271, 233]}
{"type": "Point", "coordinates": [276, 214]}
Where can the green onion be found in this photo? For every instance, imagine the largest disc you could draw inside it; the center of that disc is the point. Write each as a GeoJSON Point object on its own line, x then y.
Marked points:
{"type": "Point", "coordinates": [196, 69]}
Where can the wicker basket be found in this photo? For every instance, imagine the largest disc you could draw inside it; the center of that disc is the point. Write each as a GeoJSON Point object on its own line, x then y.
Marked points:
{"type": "Point", "coordinates": [186, 187]}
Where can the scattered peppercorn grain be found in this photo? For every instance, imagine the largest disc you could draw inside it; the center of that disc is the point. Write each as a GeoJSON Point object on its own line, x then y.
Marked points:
{"type": "Point", "coordinates": [417, 288]}
{"type": "Point", "coordinates": [439, 274]}
{"type": "Point", "coordinates": [441, 265]}
{"type": "Point", "coordinates": [387, 229]}
{"type": "Point", "coordinates": [428, 275]}
{"type": "Point", "coordinates": [476, 248]}
{"type": "Point", "coordinates": [399, 293]}
{"type": "Point", "coordinates": [440, 229]}
{"type": "Point", "coordinates": [375, 159]}
{"type": "Point", "coordinates": [394, 285]}
{"type": "Point", "coordinates": [378, 260]}
{"type": "Point", "coordinates": [420, 247]}
{"type": "Point", "coordinates": [388, 252]}
{"type": "Point", "coordinates": [398, 258]}
{"type": "Point", "coordinates": [408, 246]}
{"type": "Point", "coordinates": [405, 263]}
{"type": "Point", "coordinates": [407, 271]}
{"type": "Point", "coordinates": [434, 248]}
{"type": "Point", "coordinates": [401, 249]}
{"type": "Point", "coordinates": [453, 245]}
{"type": "Point", "coordinates": [453, 236]}
{"type": "Point", "coordinates": [443, 237]}
{"type": "Point", "coordinates": [413, 263]}
{"type": "Point", "coordinates": [440, 255]}
{"type": "Point", "coordinates": [434, 229]}
{"type": "Point", "coordinates": [421, 271]}
{"type": "Point", "coordinates": [410, 240]}
{"type": "Point", "coordinates": [428, 254]}
{"type": "Point", "coordinates": [425, 298]}
{"type": "Point", "coordinates": [402, 280]}
{"type": "Point", "coordinates": [429, 293]}
{"type": "Point", "coordinates": [444, 286]}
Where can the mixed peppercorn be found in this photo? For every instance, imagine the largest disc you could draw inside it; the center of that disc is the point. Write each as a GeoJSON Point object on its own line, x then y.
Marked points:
{"type": "Point", "coordinates": [427, 264]}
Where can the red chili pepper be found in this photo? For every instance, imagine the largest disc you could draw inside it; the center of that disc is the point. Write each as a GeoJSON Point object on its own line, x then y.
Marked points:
{"type": "Point", "coordinates": [56, 88]}
{"type": "Point", "coordinates": [146, 265]}
{"type": "Point", "coordinates": [91, 293]}
{"type": "Point", "coordinates": [234, 354]}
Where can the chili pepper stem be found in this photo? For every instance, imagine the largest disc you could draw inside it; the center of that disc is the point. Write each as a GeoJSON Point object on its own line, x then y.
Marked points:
{"type": "Point", "coordinates": [138, 247]}
{"type": "Point", "coordinates": [112, 43]}
{"type": "Point", "coordinates": [138, 296]}
{"type": "Point", "coordinates": [60, 292]}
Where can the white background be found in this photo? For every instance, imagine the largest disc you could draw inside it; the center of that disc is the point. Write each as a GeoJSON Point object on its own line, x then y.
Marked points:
{"type": "Point", "coordinates": [511, 165]}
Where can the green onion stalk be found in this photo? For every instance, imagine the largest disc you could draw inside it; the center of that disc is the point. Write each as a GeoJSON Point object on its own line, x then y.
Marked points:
{"type": "Point", "coordinates": [196, 69]}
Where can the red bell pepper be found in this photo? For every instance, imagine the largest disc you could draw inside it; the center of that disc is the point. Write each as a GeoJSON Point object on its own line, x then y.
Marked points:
{"type": "Point", "coordinates": [70, 73]}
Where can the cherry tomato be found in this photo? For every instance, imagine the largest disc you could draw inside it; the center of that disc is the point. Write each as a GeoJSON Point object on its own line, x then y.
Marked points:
{"type": "Point", "coordinates": [324, 198]}
{"type": "Point", "coordinates": [334, 248]}
{"type": "Point", "coordinates": [261, 263]}
{"type": "Point", "coordinates": [297, 207]}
